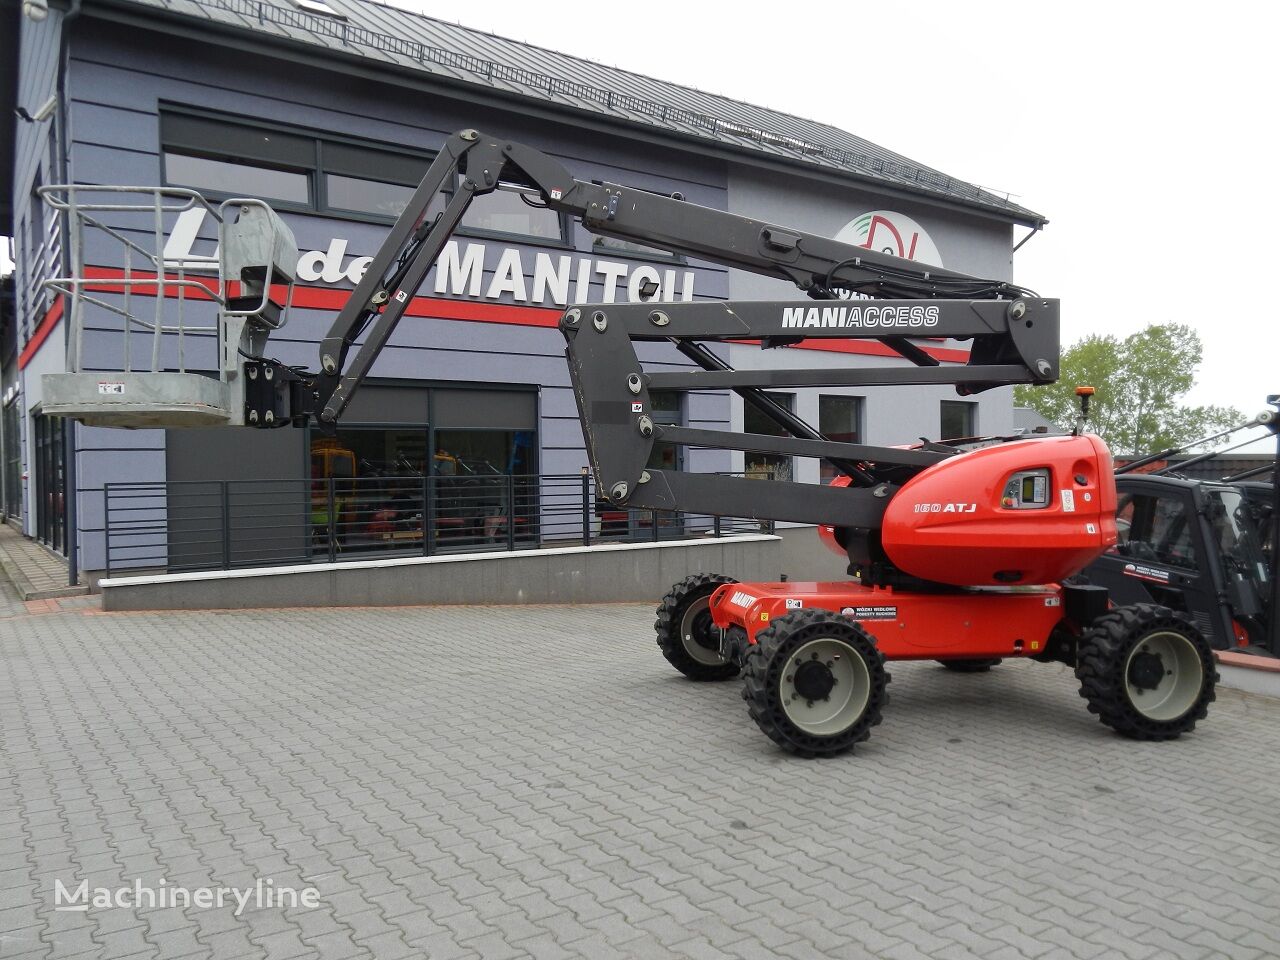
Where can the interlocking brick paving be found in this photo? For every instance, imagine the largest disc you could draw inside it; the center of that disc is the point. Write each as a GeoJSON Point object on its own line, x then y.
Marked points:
{"type": "Point", "coordinates": [537, 782]}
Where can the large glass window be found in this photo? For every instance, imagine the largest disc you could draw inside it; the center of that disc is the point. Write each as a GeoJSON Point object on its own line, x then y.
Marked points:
{"type": "Point", "coordinates": [236, 178]}
{"type": "Point", "coordinates": [764, 466]}
{"type": "Point", "coordinates": [505, 212]}
{"type": "Point", "coordinates": [223, 157]}
{"type": "Point", "coordinates": [959, 419]}
{"type": "Point", "coordinates": [630, 248]}
{"type": "Point", "coordinates": [226, 156]}
{"type": "Point", "coordinates": [369, 486]}
{"type": "Point", "coordinates": [839, 419]}
{"type": "Point", "coordinates": [366, 196]}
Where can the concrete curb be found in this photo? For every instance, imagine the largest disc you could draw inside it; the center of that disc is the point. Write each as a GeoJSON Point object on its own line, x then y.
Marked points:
{"type": "Point", "coordinates": [600, 573]}
{"type": "Point", "coordinates": [1241, 671]}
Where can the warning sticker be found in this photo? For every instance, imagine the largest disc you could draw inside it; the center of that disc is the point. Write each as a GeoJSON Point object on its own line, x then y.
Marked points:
{"type": "Point", "coordinates": [1142, 572]}
{"type": "Point", "coordinates": [795, 604]}
{"type": "Point", "coordinates": [870, 613]}
{"type": "Point", "coordinates": [637, 408]}
{"type": "Point", "coordinates": [112, 387]}
{"type": "Point", "coordinates": [1068, 501]}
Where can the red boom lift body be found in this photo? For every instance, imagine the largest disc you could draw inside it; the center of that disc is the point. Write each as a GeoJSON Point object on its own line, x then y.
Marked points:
{"type": "Point", "coordinates": [960, 523]}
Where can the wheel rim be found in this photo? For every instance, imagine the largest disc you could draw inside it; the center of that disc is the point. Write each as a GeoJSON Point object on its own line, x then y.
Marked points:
{"type": "Point", "coordinates": [695, 627]}
{"type": "Point", "coordinates": [1163, 676]}
{"type": "Point", "coordinates": [846, 697]}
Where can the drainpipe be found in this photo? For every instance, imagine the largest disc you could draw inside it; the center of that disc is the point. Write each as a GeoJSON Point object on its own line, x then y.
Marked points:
{"type": "Point", "coordinates": [70, 493]}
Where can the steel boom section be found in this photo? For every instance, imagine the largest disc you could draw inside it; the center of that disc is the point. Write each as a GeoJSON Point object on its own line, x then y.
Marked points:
{"type": "Point", "coordinates": [1014, 335]}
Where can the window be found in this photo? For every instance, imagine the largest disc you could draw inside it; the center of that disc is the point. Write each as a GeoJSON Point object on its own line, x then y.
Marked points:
{"type": "Point", "coordinates": [840, 419]}
{"type": "Point", "coordinates": [236, 178]}
{"type": "Point", "coordinates": [317, 6]}
{"type": "Point", "coordinates": [12, 460]}
{"type": "Point", "coordinates": [512, 213]}
{"type": "Point", "coordinates": [359, 195]}
{"type": "Point", "coordinates": [1154, 528]}
{"type": "Point", "coordinates": [225, 158]}
{"type": "Point", "coordinates": [764, 466]}
{"type": "Point", "coordinates": [959, 420]}
{"type": "Point", "coordinates": [631, 249]}
{"type": "Point", "coordinates": [366, 180]}
{"type": "Point", "coordinates": [666, 406]}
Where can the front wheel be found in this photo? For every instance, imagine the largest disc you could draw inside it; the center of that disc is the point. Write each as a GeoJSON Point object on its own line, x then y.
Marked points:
{"type": "Point", "coordinates": [687, 636]}
{"type": "Point", "coordinates": [1146, 671]}
{"type": "Point", "coordinates": [815, 683]}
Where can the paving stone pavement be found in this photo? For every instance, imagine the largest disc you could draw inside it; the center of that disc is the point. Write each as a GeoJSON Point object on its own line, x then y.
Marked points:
{"type": "Point", "coordinates": [536, 782]}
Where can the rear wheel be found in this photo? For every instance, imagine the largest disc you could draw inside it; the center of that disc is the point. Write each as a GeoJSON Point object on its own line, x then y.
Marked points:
{"type": "Point", "coordinates": [815, 683]}
{"type": "Point", "coordinates": [970, 666]}
{"type": "Point", "coordinates": [1146, 671]}
{"type": "Point", "coordinates": [687, 636]}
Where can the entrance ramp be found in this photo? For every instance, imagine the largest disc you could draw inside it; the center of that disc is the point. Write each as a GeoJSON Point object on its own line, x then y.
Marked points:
{"type": "Point", "coordinates": [158, 341]}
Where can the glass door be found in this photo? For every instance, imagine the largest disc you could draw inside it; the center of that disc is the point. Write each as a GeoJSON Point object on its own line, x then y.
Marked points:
{"type": "Point", "coordinates": [50, 463]}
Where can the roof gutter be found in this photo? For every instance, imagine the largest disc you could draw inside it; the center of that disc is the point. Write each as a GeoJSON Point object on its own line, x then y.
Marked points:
{"type": "Point", "coordinates": [1035, 228]}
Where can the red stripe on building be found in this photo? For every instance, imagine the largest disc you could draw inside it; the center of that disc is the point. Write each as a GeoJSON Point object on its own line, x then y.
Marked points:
{"type": "Point", "coordinates": [476, 311]}
{"type": "Point", "coordinates": [45, 327]}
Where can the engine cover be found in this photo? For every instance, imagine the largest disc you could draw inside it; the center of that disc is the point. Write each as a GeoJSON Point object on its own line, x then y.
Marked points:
{"type": "Point", "coordinates": [1028, 512]}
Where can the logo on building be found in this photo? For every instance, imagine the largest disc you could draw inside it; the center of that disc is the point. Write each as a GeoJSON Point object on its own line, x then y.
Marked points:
{"type": "Point", "coordinates": [893, 233]}
{"type": "Point", "coordinates": [472, 270]}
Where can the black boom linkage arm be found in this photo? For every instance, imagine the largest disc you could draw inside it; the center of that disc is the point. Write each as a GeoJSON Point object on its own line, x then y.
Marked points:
{"type": "Point", "coordinates": [1014, 334]}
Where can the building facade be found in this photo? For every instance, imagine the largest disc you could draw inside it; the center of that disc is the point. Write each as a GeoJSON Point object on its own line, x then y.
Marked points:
{"type": "Point", "coordinates": [304, 106]}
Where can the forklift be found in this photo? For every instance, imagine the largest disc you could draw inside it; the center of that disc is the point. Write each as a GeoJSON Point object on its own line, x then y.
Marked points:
{"type": "Point", "coordinates": [1204, 548]}
{"type": "Point", "coordinates": [960, 556]}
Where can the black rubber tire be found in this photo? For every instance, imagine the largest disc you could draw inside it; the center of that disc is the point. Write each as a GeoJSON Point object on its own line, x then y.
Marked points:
{"type": "Point", "coordinates": [671, 612]}
{"type": "Point", "coordinates": [970, 666]}
{"type": "Point", "coordinates": [1103, 653]}
{"type": "Point", "coordinates": [769, 655]}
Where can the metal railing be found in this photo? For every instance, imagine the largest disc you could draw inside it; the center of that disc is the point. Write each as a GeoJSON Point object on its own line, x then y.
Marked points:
{"type": "Point", "coordinates": [179, 526]}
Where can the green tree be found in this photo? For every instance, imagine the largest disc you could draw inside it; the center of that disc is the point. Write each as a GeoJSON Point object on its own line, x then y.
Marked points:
{"type": "Point", "coordinates": [1139, 381]}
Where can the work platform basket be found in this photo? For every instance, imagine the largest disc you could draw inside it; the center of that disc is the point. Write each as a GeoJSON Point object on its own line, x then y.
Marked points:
{"type": "Point", "coordinates": [157, 331]}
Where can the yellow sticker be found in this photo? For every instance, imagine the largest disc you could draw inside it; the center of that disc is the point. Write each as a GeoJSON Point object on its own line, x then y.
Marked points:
{"type": "Point", "coordinates": [1035, 644]}
{"type": "Point", "coordinates": [764, 618]}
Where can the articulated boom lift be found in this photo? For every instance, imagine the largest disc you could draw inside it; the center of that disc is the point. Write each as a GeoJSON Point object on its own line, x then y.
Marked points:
{"type": "Point", "coordinates": [962, 557]}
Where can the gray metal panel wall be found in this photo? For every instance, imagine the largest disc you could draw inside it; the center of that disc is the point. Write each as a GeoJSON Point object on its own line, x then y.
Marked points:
{"type": "Point", "coordinates": [119, 80]}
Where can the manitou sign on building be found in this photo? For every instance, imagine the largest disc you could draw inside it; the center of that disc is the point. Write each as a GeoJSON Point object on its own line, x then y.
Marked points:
{"type": "Point", "coordinates": [331, 112]}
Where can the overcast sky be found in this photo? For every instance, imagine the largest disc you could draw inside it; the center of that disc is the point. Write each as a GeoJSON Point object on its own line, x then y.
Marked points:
{"type": "Point", "coordinates": [1143, 131]}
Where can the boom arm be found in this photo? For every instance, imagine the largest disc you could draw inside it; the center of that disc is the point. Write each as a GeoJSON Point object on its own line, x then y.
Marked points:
{"type": "Point", "coordinates": [1014, 334]}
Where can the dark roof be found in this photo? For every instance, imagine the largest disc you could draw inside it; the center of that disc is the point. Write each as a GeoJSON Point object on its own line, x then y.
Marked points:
{"type": "Point", "coordinates": [383, 33]}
